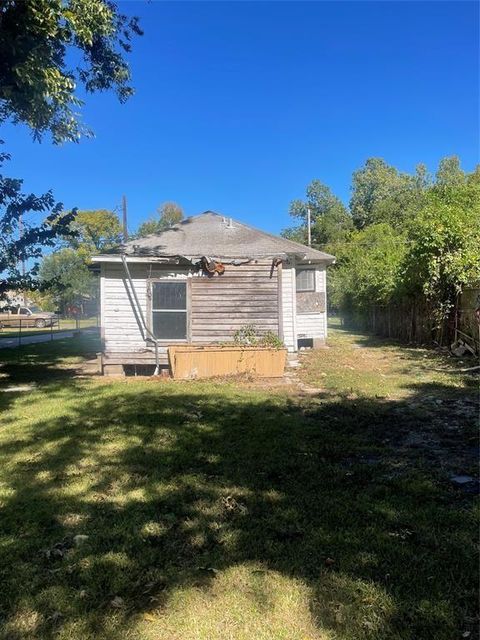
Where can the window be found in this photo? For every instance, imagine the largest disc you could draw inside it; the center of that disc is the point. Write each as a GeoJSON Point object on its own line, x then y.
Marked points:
{"type": "Point", "coordinates": [169, 310]}
{"type": "Point", "coordinates": [24, 311]}
{"type": "Point", "coordinates": [305, 279]}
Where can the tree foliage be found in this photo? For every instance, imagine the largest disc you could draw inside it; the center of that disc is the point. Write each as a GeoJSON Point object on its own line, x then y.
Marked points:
{"type": "Point", "coordinates": [168, 214]}
{"type": "Point", "coordinates": [38, 76]}
{"type": "Point", "coordinates": [444, 248]}
{"type": "Point", "coordinates": [49, 48]}
{"type": "Point", "coordinates": [95, 231]}
{"type": "Point", "coordinates": [381, 193]}
{"type": "Point", "coordinates": [369, 267]}
{"type": "Point", "coordinates": [330, 220]}
{"type": "Point", "coordinates": [450, 173]}
{"type": "Point", "coordinates": [66, 277]}
{"type": "Point", "coordinates": [28, 223]}
{"type": "Point", "coordinates": [417, 239]}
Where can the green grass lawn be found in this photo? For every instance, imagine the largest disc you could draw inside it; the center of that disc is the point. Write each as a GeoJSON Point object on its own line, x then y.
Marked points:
{"type": "Point", "coordinates": [220, 510]}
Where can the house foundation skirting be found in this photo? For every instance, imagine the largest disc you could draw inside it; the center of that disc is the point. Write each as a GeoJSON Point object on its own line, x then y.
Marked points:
{"type": "Point", "coordinates": [112, 364]}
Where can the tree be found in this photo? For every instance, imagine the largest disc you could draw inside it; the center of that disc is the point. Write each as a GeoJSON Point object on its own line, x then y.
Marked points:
{"type": "Point", "coordinates": [22, 236]}
{"type": "Point", "coordinates": [330, 220]}
{"type": "Point", "coordinates": [444, 243]}
{"type": "Point", "coordinates": [369, 267]}
{"type": "Point", "coordinates": [66, 277]}
{"type": "Point", "coordinates": [449, 172]}
{"type": "Point", "coordinates": [64, 274]}
{"type": "Point", "coordinates": [381, 193]}
{"type": "Point", "coordinates": [95, 231]}
{"type": "Point", "coordinates": [37, 87]}
{"type": "Point", "coordinates": [38, 77]}
{"type": "Point", "coordinates": [169, 213]}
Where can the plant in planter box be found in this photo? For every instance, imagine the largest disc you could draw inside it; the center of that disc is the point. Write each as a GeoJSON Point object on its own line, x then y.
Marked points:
{"type": "Point", "coordinates": [248, 336]}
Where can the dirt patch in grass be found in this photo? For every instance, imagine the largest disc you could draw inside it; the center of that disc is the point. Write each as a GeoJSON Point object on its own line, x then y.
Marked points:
{"type": "Point", "coordinates": [434, 408]}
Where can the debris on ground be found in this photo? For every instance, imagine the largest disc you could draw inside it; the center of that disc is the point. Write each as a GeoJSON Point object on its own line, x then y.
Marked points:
{"type": "Point", "coordinates": [58, 550]}
{"type": "Point", "coordinates": [79, 539]}
{"type": "Point", "coordinates": [462, 479]}
{"type": "Point", "coordinates": [460, 348]}
{"type": "Point", "coordinates": [19, 389]}
{"type": "Point", "coordinates": [233, 506]}
{"type": "Point", "coordinates": [117, 602]}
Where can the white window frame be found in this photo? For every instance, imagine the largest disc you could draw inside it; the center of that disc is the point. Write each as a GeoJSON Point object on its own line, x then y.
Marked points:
{"type": "Point", "coordinates": [310, 270]}
{"type": "Point", "coordinates": [186, 310]}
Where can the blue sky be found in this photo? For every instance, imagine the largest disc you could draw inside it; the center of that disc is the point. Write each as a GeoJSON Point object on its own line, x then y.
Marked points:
{"type": "Point", "coordinates": [239, 105]}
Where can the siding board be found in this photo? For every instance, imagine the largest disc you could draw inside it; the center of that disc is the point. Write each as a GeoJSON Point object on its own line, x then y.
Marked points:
{"type": "Point", "coordinates": [245, 294]}
{"type": "Point", "coordinates": [222, 305]}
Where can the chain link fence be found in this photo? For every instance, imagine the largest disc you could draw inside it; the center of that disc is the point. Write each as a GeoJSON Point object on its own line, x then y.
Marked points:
{"type": "Point", "coordinates": [14, 331]}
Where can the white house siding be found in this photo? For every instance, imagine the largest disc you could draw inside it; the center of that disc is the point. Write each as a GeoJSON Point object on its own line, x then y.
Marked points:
{"type": "Point", "coordinates": [288, 314]}
{"type": "Point", "coordinates": [245, 294]}
{"type": "Point", "coordinates": [314, 325]}
{"type": "Point", "coordinates": [120, 328]}
{"type": "Point", "coordinates": [121, 331]}
{"type": "Point", "coordinates": [311, 325]}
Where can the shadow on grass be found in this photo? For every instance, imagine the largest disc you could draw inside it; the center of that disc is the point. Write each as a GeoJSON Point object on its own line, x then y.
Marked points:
{"type": "Point", "coordinates": [364, 338]}
{"type": "Point", "coordinates": [177, 483]}
{"type": "Point", "coordinates": [43, 364]}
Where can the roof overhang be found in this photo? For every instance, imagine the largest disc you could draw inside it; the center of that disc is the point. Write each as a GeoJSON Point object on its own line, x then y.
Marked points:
{"type": "Point", "coordinates": [177, 259]}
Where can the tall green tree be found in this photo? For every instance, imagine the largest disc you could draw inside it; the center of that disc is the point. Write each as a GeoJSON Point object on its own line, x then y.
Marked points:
{"type": "Point", "coordinates": [450, 173]}
{"type": "Point", "coordinates": [330, 220]}
{"type": "Point", "coordinates": [381, 193]}
{"type": "Point", "coordinates": [48, 49]}
{"type": "Point", "coordinates": [22, 236]}
{"type": "Point", "coordinates": [95, 231]}
{"type": "Point", "coordinates": [66, 277]}
{"type": "Point", "coordinates": [168, 214]}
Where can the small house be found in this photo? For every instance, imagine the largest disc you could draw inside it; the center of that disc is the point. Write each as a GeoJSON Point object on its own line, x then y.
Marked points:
{"type": "Point", "coordinates": [200, 281]}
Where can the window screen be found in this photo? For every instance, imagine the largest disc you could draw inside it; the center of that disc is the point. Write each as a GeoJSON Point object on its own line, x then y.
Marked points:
{"type": "Point", "coordinates": [305, 280]}
{"type": "Point", "coordinates": [169, 310]}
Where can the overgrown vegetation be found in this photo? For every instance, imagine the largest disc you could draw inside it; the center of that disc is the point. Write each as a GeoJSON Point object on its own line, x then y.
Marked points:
{"type": "Point", "coordinates": [204, 511]}
{"type": "Point", "coordinates": [249, 336]}
{"type": "Point", "coordinates": [408, 240]}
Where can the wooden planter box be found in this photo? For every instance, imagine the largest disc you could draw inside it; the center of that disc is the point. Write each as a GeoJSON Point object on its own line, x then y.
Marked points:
{"type": "Point", "coordinates": [190, 361]}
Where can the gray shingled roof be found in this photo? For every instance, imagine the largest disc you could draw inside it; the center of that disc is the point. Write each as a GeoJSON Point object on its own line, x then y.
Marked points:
{"type": "Point", "coordinates": [211, 234]}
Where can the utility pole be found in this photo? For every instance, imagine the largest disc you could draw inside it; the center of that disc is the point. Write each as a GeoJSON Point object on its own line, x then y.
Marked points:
{"type": "Point", "coordinates": [22, 261]}
{"type": "Point", "coordinates": [20, 235]}
{"type": "Point", "coordinates": [125, 227]}
{"type": "Point", "coordinates": [309, 227]}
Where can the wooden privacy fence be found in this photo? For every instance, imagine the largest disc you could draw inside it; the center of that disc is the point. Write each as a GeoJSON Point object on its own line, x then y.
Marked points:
{"type": "Point", "coordinates": [412, 321]}
{"type": "Point", "coordinates": [468, 315]}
